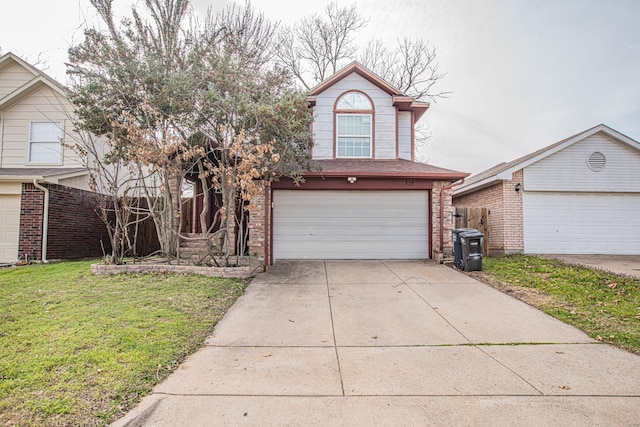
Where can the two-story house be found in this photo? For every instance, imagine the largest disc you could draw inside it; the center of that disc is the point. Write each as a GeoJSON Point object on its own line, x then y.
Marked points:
{"type": "Point", "coordinates": [371, 200]}
{"type": "Point", "coordinates": [46, 210]}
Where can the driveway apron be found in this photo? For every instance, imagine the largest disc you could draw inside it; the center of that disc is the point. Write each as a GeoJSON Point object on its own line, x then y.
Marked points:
{"type": "Point", "coordinates": [391, 343]}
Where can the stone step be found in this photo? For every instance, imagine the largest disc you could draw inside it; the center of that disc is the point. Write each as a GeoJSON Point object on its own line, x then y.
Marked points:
{"type": "Point", "coordinates": [193, 244]}
{"type": "Point", "coordinates": [189, 252]}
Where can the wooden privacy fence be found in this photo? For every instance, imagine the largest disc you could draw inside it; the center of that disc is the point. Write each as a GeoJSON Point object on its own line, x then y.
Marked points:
{"type": "Point", "coordinates": [477, 218]}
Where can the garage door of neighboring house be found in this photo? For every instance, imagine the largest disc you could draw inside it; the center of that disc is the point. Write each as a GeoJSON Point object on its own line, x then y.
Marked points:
{"type": "Point", "coordinates": [350, 224]}
{"type": "Point", "coordinates": [9, 227]}
{"type": "Point", "coordinates": [581, 223]}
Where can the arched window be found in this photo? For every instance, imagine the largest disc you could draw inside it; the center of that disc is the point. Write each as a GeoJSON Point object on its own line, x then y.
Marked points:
{"type": "Point", "coordinates": [354, 125]}
{"type": "Point", "coordinates": [354, 101]}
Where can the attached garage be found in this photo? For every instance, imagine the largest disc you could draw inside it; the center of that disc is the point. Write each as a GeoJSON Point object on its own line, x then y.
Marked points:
{"type": "Point", "coordinates": [581, 223]}
{"type": "Point", "coordinates": [350, 224]}
{"type": "Point", "coordinates": [580, 195]}
{"type": "Point", "coordinates": [9, 227]}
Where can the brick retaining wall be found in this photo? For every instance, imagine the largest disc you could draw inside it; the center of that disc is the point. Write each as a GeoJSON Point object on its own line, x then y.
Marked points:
{"type": "Point", "coordinates": [224, 272]}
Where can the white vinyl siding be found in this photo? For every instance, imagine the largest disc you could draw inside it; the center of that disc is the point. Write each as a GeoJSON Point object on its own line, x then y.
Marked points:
{"type": "Point", "coordinates": [404, 135]}
{"type": "Point", "coordinates": [385, 118]}
{"type": "Point", "coordinates": [42, 106]}
{"type": "Point", "coordinates": [350, 224]}
{"type": "Point", "coordinates": [353, 135]}
{"type": "Point", "coordinates": [581, 223]}
{"type": "Point", "coordinates": [568, 170]}
{"type": "Point", "coordinates": [45, 142]}
{"type": "Point", "coordinates": [12, 77]}
{"type": "Point", "coordinates": [81, 182]}
{"type": "Point", "coordinates": [9, 227]}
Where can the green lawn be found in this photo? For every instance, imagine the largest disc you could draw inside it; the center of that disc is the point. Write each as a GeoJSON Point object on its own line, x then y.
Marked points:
{"type": "Point", "coordinates": [604, 305]}
{"type": "Point", "coordinates": [78, 349]}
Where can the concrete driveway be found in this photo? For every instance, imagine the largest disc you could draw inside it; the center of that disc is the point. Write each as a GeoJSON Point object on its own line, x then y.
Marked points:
{"type": "Point", "coordinates": [392, 343]}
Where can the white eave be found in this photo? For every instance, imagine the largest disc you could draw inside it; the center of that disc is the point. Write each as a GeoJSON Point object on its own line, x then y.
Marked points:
{"type": "Point", "coordinates": [505, 172]}
{"type": "Point", "coordinates": [52, 177]}
{"type": "Point", "coordinates": [39, 80]}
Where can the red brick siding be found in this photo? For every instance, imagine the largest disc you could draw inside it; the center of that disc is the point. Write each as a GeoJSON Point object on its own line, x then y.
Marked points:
{"type": "Point", "coordinates": [31, 215]}
{"type": "Point", "coordinates": [513, 215]}
{"type": "Point", "coordinates": [448, 223]}
{"type": "Point", "coordinates": [257, 225]}
{"type": "Point", "coordinates": [75, 230]}
{"type": "Point", "coordinates": [492, 198]}
{"type": "Point", "coordinates": [506, 234]}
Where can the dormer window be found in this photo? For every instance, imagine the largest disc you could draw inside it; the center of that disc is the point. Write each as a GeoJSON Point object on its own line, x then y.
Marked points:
{"type": "Point", "coordinates": [354, 126]}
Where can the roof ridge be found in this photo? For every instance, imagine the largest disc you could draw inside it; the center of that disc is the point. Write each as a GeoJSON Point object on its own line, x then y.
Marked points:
{"type": "Point", "coordinates": [504, 166]}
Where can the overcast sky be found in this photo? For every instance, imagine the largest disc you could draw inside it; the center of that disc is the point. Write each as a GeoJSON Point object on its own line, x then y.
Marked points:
{"type": "Point", "coordinates": [524, 73]}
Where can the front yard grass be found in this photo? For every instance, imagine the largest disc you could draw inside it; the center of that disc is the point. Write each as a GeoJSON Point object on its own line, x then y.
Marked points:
{"type": "Point", "coordinates": [604, 305]}
{"type": "Point", "coordinates": [78, 349]}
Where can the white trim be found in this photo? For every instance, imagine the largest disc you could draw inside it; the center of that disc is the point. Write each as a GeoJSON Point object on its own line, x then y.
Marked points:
{"type": "Point", "coordinates": [507, 174]}
{"type": "Point", "coordinates": [487, 182]}
{"type": "Point", "coordinates": [60, 126]}
{"type": "Point", "coordinates": [370, 136]}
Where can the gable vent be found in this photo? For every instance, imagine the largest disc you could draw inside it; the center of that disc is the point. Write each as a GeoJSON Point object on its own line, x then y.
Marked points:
{"type": "Point", "coordinates": [596, 161]}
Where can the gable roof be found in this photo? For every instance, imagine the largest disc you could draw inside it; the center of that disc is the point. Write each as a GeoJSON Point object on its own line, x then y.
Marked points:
{"type": "Point", "coordinates": [399, 99]}
{"type": "Point", "coordinates": [503, 171]}
{"type": "Point", "coordinates": [39, 80]}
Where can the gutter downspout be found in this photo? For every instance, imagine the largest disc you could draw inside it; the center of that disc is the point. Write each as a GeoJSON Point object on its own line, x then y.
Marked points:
{"type": "Point", "coordinates": [45, 219]}
{"type": "Point", "coordinates": [442, 190]}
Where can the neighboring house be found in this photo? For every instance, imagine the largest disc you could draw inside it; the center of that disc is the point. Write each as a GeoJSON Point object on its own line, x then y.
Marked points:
{"type": "Point", "coordinates": [580, 195]}
{"type": "Point", "coordinates": [46, 210]}
{"type": "Point", "coordinates": [371, 200]}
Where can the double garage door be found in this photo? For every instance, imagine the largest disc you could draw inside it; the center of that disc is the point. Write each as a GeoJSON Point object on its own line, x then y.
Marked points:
{"type": "Point", "coordinates": [9, 227]}
{"type": "Point", "coordinates": [350, 224]}
{"type": "Point", "coordinates": [587, 223]}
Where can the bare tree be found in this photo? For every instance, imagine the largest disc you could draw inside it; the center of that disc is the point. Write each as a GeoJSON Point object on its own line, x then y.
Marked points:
{"type": "Point", "coordinates": [411, 67]}
{"type": "Point", "coordinates": [116, 187]}
{"type": "Point", "coordinates": [319, 45]}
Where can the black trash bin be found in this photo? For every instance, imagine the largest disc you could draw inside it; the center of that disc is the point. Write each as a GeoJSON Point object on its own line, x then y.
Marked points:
{"type": "Point", "coordinates": [467, 249]}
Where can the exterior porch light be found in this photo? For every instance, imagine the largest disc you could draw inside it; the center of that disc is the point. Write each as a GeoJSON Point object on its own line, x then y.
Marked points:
{"type": "Point", "coordinates": [518, 187]}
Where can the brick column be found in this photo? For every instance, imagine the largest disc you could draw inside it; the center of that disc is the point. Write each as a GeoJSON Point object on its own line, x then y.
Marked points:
{"type": "Point", "coordinates": [257, 225]}
{"type": "Point", "coordinates": [31, 218]}
{"type": "Point", "coordinates": [447, 244]}
{"type": "Point", "coordinates": [513, 214]}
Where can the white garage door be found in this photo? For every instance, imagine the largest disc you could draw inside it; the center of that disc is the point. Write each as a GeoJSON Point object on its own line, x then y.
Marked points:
{"type": "Point", "coordinates": [350, 224]}
{"type": "Point", "coordinates": [9, 227]}
{"type": "Point", "coordinates": [588, 223]}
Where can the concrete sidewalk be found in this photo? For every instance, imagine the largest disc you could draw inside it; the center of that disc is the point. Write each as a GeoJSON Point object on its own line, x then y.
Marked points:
{"type": "Point", "coordinates": [619, 264]}
{"type": "Point", "coordinates": [392, 343]}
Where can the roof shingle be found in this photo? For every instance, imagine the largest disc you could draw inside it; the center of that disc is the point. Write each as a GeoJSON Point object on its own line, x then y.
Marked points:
{"type": "Point", "coordinates": [396, 168]}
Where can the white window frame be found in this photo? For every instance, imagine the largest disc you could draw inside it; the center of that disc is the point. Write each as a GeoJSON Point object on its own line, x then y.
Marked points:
{"type": "Point", "coordinates": [369, 136]}
{"type": "Point", "coordinates": [58, 142]}
{"type": "Point", "coordinates": [354, 100]}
